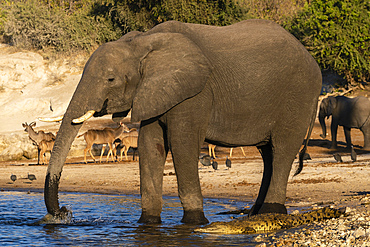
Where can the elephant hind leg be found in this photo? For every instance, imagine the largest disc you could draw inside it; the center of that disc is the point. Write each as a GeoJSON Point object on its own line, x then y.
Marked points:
{"type": "Point", "coordinates": [266, 153]}
{"type": "Point", "coordinates": [278, 156]}
{"type": "Point", "coordinates": [365, 129]}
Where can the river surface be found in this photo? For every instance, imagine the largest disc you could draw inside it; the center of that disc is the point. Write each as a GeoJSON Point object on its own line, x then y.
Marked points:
{"type": "Point", "coordinates": [108, 220]}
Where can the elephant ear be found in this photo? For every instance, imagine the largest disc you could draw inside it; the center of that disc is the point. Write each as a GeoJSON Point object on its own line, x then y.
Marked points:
{"type": "Point", "coordinates": [172, 70]}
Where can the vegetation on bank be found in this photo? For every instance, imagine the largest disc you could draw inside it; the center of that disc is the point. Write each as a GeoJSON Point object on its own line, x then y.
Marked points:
{"type": "Point", "coordinates": [335, 32]}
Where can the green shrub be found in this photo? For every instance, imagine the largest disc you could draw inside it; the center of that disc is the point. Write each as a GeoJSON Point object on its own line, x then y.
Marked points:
{"type": "Point", "coordinates": [211, 12]}
{"type": "Point", "coordinates": [275, 10]}
{"type": "Point", "coordinates": [337, 34]}
{"type": "Point", "coordinates": [129, 15]}
{"type": "Point", "coordinates": [30, 24]}
{"type": "Point", "coordinates": [71, 25]}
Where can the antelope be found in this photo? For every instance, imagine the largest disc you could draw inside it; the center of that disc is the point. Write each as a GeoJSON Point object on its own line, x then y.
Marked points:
{"type": "Point", "coordinates": [37, 137]}
{"type": "Point", "coordinates": [231, 152]}
{"type": "Point", "coordinates": [128, 139]}
{"type": "Point", "coordinates": [104, 136]}
{"type": "Point", "coordinates": [45, 146]}
{"type": "Point", "coordinates": [211, 150]}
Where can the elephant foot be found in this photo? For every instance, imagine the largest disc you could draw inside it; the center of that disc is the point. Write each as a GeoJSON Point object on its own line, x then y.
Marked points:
{"type": "Point", "coordinates": [269, 208]}
{"type": "Point", "coordinates": [195, 217]}
{"type": "Point", "coordinates": [149, 219]}
{"type": "Point", "coordinates": [62, 216]}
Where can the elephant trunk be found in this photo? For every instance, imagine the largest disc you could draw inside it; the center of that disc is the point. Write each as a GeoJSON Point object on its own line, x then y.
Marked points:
{"type": "Point", "coordinates": [322, 124]}
{"type": "Point", "coordinates": [66, 134]}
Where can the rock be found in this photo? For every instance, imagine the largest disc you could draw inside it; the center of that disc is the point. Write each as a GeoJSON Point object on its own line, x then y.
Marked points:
{"type": "Point", "coordinates": [16, 147]}
{"type": "Point", "coordinates": [11, 153]}
{"type": "Point", "coordinates": [359, 232]}
{"type": "Point", "coordinates": [342, 227]}
{"type": "Point", "coordinates": [350, 239]}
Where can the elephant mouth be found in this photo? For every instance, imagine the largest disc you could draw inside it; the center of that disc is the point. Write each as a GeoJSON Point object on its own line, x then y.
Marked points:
{"type": "Point", "coordinates": [117, 114]}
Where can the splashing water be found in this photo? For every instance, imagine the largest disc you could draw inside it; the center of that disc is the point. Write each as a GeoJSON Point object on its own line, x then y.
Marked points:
{"type": "Point", "coordinates": [105, 220]}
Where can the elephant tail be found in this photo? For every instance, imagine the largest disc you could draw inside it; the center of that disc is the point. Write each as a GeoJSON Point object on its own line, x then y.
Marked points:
{"type": "Point", "coordinates": [305, 142]}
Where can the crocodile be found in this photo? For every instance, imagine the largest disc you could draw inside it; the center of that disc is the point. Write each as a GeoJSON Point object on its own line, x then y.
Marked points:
{"type": "Point", "coordinates": [264, 223]}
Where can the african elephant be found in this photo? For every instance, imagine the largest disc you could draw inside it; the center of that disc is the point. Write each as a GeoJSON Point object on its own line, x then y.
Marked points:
{"type": "Point", "coordinates": [250, 83]}
{"type": "Point", "coordinates": [346, 112]}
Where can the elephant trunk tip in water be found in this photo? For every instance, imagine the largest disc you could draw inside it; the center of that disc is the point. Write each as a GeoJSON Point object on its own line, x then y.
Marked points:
{"type": "Point", "coordinates": [63, 217]}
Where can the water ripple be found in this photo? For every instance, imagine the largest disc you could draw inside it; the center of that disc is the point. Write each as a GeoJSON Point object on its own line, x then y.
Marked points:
{"type": "Point", "coordinates": [107, 220]}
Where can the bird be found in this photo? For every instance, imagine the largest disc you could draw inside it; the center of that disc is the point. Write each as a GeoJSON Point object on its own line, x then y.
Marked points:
{"type": "Point", "coordinates": [228, 162]}
{"type": "Point", "coordinates": [31, 177]}
{"type": "Point", "coordinates": [13, 178]}
{"type": "Point", "coordinates": [353, 154]}
{"type": "Point", "coordinates": [337, 157]}
{"type": "Point", "coordinates": [214, 165]}
{"type": "Point", "coordinates": [205, 160]}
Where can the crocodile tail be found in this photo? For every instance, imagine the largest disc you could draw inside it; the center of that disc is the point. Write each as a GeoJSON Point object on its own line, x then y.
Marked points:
{"type": "Point", "coordinates": [321, 214]}
{"type": "Point", "coordinates": [305, 142]}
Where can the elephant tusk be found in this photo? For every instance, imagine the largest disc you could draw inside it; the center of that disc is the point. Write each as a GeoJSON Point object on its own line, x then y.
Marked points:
{"type": "Point", "coordinates": [83, 118]}
{"type": "Point", "coordinates": [51, 119]}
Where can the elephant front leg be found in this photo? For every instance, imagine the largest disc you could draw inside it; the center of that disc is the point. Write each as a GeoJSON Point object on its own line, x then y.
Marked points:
{"type": "Point", "coordinates": [347, 134]}
{"type": "Point", "coordinates": [152, 156]}
{"type": "Point", "coordinates": [186, 167]}
{"type": "Point", "coordinates": [334, 130]}
{"type": "Point", "coordinates": [185, 142]}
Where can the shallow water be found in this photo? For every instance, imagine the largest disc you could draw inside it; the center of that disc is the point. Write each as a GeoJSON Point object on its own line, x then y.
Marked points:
{"type": "Point", "coordinates": [108, 220]}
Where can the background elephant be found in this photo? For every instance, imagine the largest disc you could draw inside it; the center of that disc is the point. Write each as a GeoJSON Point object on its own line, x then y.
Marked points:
{"type": "Point", "coordinates": [346, 112]}
{"type": "Point", "coordinates": [251, 83]}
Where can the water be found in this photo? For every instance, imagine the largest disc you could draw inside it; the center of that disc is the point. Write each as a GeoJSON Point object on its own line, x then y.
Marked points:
{"type": "Point", "coordinates": [108, 220]}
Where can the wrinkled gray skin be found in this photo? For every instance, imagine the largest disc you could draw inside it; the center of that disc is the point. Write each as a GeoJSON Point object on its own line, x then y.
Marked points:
{"type": "Point", "coordinates": [349, 113]}
{"type": "Point", "coordinates": [251, 83]}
